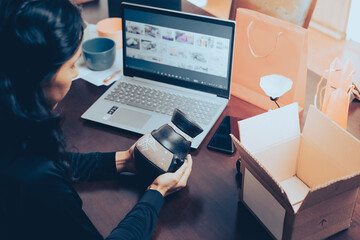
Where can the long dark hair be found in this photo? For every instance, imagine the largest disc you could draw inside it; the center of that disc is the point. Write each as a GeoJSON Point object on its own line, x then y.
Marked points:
{"type": "Point", "coordinates": [36, 38]}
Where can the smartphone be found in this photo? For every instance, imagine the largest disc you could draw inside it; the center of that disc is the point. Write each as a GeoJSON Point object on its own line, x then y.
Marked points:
{"type": "Point", "coordinates": [221, 141]}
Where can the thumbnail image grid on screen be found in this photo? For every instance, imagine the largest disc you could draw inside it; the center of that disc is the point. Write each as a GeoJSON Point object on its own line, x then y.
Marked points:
{"type": "Point", "coordinates": [184, 49]}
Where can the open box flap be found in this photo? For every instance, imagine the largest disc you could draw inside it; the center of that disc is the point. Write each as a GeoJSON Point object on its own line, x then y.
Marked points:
{"type": "Point", "coordinates": [328, 151]}
{"type": "Point", "coordinates": [295, 189]}
{"type": "Point", "coordinates": [280, 160]}
{"type": "Point", "coordinates": [268, 178]}
{"type": "Point", "coordinates": [270, 128]}
{"type": "Point", "coordinates": [331, 189]}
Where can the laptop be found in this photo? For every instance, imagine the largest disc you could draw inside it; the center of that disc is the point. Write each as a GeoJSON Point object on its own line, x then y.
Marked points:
{"type": "Point", "coordinates": [171, 60]}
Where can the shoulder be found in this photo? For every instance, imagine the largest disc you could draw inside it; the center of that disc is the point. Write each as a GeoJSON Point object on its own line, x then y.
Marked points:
{"type": "Point", "coordinates": [37, 185]}
{"type": "Point", "coordinates": [34, 173]}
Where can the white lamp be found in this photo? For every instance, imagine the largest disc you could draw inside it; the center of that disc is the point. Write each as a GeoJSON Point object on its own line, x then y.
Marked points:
{"type": "Point", "coordinates": [275, 86]}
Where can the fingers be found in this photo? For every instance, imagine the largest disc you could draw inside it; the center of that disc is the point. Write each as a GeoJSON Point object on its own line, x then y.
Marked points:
{"type": "Point", "coordinates": [185, 176]}
{"type": "Point", "coordinates": [189, 166]}
{"type": "Point", "coordinates": [171, 182]}
{"type": "Point", "coordinates": [180, 172]}
{"type": "Point", "coordinates": [131, 149]}
{"type": "Point", "coordinates": [189, 159]}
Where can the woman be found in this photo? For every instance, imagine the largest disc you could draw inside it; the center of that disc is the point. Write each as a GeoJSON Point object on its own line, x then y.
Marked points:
{"type": "Point", "coordinates": [39, 46]}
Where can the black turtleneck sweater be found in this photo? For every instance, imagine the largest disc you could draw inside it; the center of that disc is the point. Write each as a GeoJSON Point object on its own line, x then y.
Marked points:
{"type": "Point", "coordinates": [37, 200]}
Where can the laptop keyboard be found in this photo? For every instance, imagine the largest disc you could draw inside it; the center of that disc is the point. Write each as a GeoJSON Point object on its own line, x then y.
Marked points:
{"type": "Point", "coordinates": [162, 102]}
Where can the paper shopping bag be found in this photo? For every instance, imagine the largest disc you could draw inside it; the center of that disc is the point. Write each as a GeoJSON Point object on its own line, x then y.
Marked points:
{"type": "Point", "coordinates": [265, 45]}
{"type": "Point", "coordinates": [335, 103]}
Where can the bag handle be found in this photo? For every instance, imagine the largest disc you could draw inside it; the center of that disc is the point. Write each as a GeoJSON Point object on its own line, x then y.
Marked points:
{"type": "Point", "coordinates": [322, 89]}
{"type": "Point", "coordinates": [350, 75]}
{"type": "Point", "coordinates": [351, 87]}
{"type": "Point", "coordinates": [251, 49]}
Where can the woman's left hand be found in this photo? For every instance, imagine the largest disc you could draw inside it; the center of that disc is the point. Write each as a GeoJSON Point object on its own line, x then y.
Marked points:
{"type": "Point", "coordinates": [124, 160]}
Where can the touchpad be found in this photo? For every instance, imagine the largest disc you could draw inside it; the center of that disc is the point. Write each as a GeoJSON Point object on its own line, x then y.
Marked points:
{"type": "Point", "coordinates": [130, 118]}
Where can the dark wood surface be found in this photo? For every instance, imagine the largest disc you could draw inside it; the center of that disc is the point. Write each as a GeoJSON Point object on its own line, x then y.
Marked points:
{"type": "Point", "coordinates": [207, 209]}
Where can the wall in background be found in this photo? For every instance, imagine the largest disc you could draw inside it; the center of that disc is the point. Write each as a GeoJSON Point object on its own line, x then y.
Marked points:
{"type": "Point", "coordinates": [331, 17]}
{"type": "Point", "coordinates": [219, 8]}
{"type": "Point", "coordinates": [353, 29]}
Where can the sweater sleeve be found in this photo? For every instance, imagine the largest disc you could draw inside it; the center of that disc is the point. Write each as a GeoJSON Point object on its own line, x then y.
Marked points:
{"type": "Point", "coordinates": [51, 206]}
{"type": "Point", "coordinates": [89, 166]}
{"type": "Point", "coordinates": [51, 209]}
{"type": "Point", "coordinates": [140, 222]}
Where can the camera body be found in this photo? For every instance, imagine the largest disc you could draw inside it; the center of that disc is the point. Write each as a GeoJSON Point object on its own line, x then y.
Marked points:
{"type": "Point", "coordinates": [165, 149]}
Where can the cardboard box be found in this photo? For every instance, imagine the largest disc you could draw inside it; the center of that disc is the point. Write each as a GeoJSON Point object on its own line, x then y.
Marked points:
{"type": "Point", "coordinates": [299, 186]}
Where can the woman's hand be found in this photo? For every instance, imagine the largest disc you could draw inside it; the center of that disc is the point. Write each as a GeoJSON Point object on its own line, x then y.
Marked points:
{"type": "Point", "coordinates": [124, 160]}
{"type": "Point", "coordinates": [168, 183]}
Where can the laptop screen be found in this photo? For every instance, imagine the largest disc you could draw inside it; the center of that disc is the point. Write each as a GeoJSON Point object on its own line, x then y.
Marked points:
{"type": "Point", "coordinates": [178, 48]}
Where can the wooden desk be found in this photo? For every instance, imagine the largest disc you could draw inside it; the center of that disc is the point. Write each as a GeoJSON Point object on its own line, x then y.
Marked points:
{"type": "Point", "coordinates": [207, 209]}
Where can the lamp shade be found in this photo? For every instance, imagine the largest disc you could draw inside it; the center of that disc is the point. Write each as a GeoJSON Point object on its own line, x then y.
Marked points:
{"type": "Point", "coordinates": [275, 85]}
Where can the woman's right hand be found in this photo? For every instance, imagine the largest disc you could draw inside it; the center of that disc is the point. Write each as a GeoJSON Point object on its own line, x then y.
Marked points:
{"type": "Point", "coordinates": [168, 183]}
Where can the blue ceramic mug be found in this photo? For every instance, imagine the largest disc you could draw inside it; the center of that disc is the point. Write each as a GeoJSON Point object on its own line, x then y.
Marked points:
{"type": "Point", "coordinates": [99, 53]}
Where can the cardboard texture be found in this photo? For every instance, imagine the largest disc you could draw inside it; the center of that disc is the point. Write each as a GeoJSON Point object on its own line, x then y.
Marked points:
{"type": "Point", "coordinates": [299, 186]}
{"type": "Point", "coordinates": [265, 45]}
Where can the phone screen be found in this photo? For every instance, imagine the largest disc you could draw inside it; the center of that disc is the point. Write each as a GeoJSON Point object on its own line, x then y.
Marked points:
{"type": "Point", "coordinates": [221, 141]}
